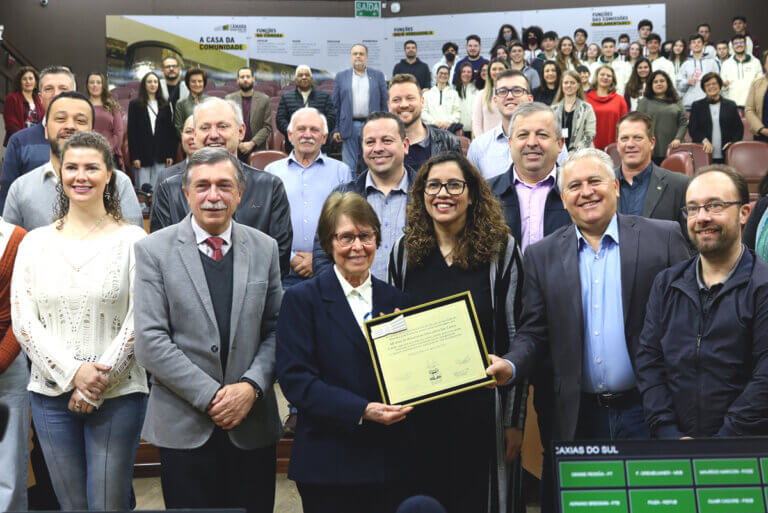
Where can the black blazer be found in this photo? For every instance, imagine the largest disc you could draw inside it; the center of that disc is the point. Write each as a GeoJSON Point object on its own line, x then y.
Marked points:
{"type": "Point", "coordinates": [700, 123]}
{"type": "Point", "coordinates": [291, 101]}
{"type": "Point", "coordinates": [145, 146]}
{"type": "Point", "coordinates": [324, 368]}
{"type": "Point", "coordinates": [552, 323]}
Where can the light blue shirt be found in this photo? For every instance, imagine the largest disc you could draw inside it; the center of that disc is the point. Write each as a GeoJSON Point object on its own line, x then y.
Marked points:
{"type": "Point", "coordinates": [606, 365]}
{"type": "Point", "coordinates": [307, 189]}
{"type": "Point", "coordinates": [391, 212]}
{"type": "Point", "coordinates": [491, 155]}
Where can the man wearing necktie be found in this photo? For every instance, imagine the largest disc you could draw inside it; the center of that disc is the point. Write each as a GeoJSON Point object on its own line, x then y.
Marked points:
{"type": "Point", "coordinates": [210, 293]}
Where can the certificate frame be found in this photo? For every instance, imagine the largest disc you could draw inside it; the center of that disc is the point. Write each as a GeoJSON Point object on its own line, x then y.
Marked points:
{"type": "Point", "coordinates": [478, 345]}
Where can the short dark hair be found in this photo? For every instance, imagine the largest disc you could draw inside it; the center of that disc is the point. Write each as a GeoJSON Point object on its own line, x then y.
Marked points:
{"type": "Point", "coordinates": [474, 37]}
{"type": "Point", "coordinates": [703, 25]}
{"type": "Point", "coordinates": [245, 67]}
{"type": "Point", "coordinates": [442, 66]}
{"type": "Point", "coordinates": [515, 44]}
{"type": "Point", "coordinates": [645, 23]}
{"type": "Point", "coordinates": [196, 71]}
{"type": "Point", "coordinates": [507, 73]}
{"type": "Point", "coordinates": [694, 37]}
{"type": "Point", "coordinates": [580, 30]}
{"type": "Point", "coordinates": [653, 37]}
{"type": "Point", "coordinates": [742, 188]}
{"type": "Point", "coordinates": [737, 36]}
{"type": "Point", "coordinates": [623, 36]}
{"type": "Point", "coordinates": [607, 40]}
{"type": "Point", "coordinates": [739, 17]}
{"type": "Point", "coordinates": [448, 45]}
{"type": "Point", "coordinates": [73, 95]}
{"type": "Point", "coordinates": [582, 69]}
{"type": "Point", "coordinates": [359, 44]}
{"type": "Point", "coordinates": [709, 76]}
{"type": "Point", "coordinates": [380, 114]}
{"type": "Point", "coordinates": [170, 57]}
{"type": "Point", "coordinates": [208, 156]}
{"type": "Point", "coordinates": [549, 34]}
{"type": "Point", "coordinates": [410, 42]}
{"type": "Point", "coordinates": [635, 116]}
{"type": "Point", "coordinates": [405, 78]}
{"type": "Point", "coordinates": [349, 204]}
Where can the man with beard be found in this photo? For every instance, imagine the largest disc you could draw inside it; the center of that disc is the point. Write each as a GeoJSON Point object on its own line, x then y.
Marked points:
{"type": "Point", "coordinates": [412, 65]}
{"type": "Point", "coordinates": [406, 102]}
{"type": "Point", "coordinates": [739, 72]}
{"type": "Point", "coordinates": [702, 360]}
{"type": "Point", "coordinates": [256, 113]}
{"type": "Point", "coordinates": [32, 197]}
{"type": "Point", "coordinates": [173, 87]}
{"type": "Point", "coordinates": [450, 50]}
{"type": "Point", "coordinates": [304, 96]}
{"type": "Point", "coordinates": [474, 47]}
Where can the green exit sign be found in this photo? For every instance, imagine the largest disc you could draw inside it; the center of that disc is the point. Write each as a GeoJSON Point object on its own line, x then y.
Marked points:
{"type": "Point", "coordinates": [367, 9]}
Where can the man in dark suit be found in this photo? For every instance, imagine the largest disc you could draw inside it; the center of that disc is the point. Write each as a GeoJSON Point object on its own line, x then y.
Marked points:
{"type": "Point", "coordinates": [304, 96]}
{"type": "Point", "coordinates": [256, 112]}
{"type": "Point", "coordinates": [187, 145]}
{"type": "Point", "coordinates": [646, 189]}
{"type": "Point", "coordinates": [208, 294]}
{"type": "Point", "coordinates": [584, 299]}
{"type": "Point", "coordinates": [264, 206]}
{"type": "Point", "coordinates": [357, 92]}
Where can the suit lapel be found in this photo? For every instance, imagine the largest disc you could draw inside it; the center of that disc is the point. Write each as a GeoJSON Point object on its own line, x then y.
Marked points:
{"type": "Point", "coordinates": [569, 251]}
{"type": "Point", "coordinates": [240, 272]}
{"type": "Point", "coordinates": [190, 256]}
{"type": "Point", "coordinates": [656, 186]}
{"type": "Point", "coordinates": [339, 311]}
{"type": "Point", "coordinates": [629, 245]}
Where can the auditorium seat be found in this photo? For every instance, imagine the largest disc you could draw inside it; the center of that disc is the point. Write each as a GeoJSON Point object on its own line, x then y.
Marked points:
{"type": "Point", "coordinates": [750, 158]}
{"type": "Point", "coordinates": [267, 88]}
{"type": "Point", "coordinates": [260, 159]}
{"type": "Point", "coordinates": [613, 151]}
{"type": "Point", "coordinates": [276, 140]}
{"type": "Point", "coordinates": [700, 157]}
{"type": "Point", "coordinates": [748, 136]}
{"type": "Point", "coordinates": [218, 93]}
{"type": "Point", "coordinates": [465, 142]}
{"type": "Point", "coordinates": [124, 93]}
{"type": "Point", "coordinates": [679, 162]}
{"type": "Point", "coordinates": [210, 85]}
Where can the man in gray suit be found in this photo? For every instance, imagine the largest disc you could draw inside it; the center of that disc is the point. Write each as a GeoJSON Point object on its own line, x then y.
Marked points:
{"type": "Point", "coordinates": [208, 340]}
{"type": "Point", "coordinates": [646, 189]}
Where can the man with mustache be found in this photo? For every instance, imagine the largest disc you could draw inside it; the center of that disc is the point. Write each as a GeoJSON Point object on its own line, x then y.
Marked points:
{"type": "Point", "coordinates": [583, 304]}
{"type": "Point", "coordinates": [406, 101]}
{"type": "Point", "coordinates": [264, 205]}
{"type": "Point", "coordinates": [702, 360]}
{"type": "Point", "coordinates": [31, 198]}
{"type": "Point", "coordinates": [309, 177]}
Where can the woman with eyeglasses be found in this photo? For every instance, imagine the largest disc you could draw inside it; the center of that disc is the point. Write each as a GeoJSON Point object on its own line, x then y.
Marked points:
{"type": "Point", "coordinates": [349, 450]}
{"type": "Point", "coordinates": [456, 240]}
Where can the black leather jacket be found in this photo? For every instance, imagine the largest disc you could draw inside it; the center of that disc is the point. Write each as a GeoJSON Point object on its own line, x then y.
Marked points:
{"type": "Point", "coordinates": [264, 206]}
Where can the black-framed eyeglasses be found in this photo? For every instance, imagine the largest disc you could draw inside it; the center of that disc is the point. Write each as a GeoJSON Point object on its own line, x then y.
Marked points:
{"type": "Point", "coordinates": [452, 187]}
{"type": "Point", "coordinates": [171, 66]}
{"type": "Point", "coordinates": [713, 207]}
{"type": "Point", "coordinates": [346, 239]}
{"type": "Point", "coordinates": [516, 92]}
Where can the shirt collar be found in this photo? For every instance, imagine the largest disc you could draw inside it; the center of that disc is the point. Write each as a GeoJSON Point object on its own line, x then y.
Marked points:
{"type": "Point", "coordinates": [700, 280]}
{"type": "Point", "coordinates": [550, 179]}
{"type": "Point", "coordinates": [612, 231]}
{"type": "Point", "coordinates": [292, 158]}
{"type": "Point", "coordinates": [640, 178]}
{"type": "Point", "coordinates": [365, 289]}
{"type": "Point", "coordinates": [201, 235]}
{"type": "Point", "coordinates": [498, 132]}
{"type": "Point", "coordinates": [49, 172]}
{"type": "Point", "coordinates": [402, 186]}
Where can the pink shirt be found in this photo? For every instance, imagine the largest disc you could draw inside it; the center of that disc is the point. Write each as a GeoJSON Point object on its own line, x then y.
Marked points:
{"type": "Point", "coordinates": [532, 199]}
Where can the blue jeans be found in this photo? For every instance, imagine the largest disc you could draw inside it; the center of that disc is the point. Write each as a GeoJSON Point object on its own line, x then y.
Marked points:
{"type": "Point", "coordinates": [90, 456]}
{"type": "Point", "coordinates": [14, 447]}
{"type": "Point", "coordinates": [351, 147]}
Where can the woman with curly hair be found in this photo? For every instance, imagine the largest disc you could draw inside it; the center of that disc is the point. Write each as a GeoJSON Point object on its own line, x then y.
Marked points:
{"type": "Point", "coordinates": [23, 107]}
{"type": "Point", "coordinates": [532, 37]}
{"type": "Point", "coordinates": [456, 240]}
{"type": "Point", "coordinates": [72, 314]}
{"type": "Point", "coordinates": [109, 116]}
{"type": "Point", "coordinates": [507, 34]}
{"type": "Point", "coordinates": [663, 104]}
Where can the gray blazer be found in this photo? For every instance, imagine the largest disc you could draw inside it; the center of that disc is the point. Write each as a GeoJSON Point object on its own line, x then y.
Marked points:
{"type": "Point", "coordinates": [584, 124]}
{"type": "Point", "coordinates": [177, 336]}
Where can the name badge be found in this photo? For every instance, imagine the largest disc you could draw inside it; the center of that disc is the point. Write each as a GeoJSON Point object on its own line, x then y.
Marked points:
{"type": "Point", "coordinates": [565, 133]}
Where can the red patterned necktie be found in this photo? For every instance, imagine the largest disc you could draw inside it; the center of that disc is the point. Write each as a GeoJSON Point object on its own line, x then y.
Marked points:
{"type": "Point", "coordinates": [215, 243]}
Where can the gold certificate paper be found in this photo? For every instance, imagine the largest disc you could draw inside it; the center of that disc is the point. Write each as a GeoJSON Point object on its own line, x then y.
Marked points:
{"type": "Point", "coordinates": [428, 351]}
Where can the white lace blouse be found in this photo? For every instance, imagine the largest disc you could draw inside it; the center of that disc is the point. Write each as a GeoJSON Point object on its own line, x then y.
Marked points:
{"type": "Point", "coordinates": [72, 302]}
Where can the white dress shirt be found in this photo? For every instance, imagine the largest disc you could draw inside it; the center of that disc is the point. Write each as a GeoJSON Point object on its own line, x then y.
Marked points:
{"type": "Point", "coordinates": [360, 298]}
{"type": "Point", "coordinates": [201, 236]}
{"type": "Point", "coordinates": [360, 94]}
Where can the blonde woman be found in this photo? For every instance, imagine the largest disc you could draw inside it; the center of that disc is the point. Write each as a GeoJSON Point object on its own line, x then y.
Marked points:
{"type": "Point", "coordinates": [486, 116]}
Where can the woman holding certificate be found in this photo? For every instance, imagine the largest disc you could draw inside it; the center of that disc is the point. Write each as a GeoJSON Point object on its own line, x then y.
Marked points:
{"type": "Point", "coordinates": [456, 240]}
{"type": "Point", "coordinates": [347, 456]}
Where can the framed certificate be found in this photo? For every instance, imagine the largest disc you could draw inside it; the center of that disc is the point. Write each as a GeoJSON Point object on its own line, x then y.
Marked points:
{"type": "Point", "coordinates": [428, 351]}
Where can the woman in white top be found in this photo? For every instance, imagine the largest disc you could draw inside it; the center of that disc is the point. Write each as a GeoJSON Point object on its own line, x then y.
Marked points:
{"type": "Point", "coordinates": [465, 88]}
{"type": "Point", "coordinates": [486, 115]}
{"type": "Point", "coordinates": [72, 313]}
{"type": "Point", "coordinates": [441, 103]}
{"type": "Point", "coordinates": [151, 134]}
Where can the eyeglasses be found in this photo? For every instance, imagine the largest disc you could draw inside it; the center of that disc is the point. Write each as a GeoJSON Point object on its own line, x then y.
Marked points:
{"type": "Point", "coordinates": [171, 66]}
{"type": "Point", "coordinates": [452, 187]}
{"type": "Point", "coordinates": [346, 239]}
{"type": "Point", "coordinates": [713, 207]}
{"type": "Point", "coordinates": [516, 92]}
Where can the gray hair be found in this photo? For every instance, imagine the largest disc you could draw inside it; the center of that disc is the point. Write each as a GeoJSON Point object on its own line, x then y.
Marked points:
{"type": "Point", "coordinates": [309, 110]}
{"type": "Point", "coordinates": [210, 156]}
{"type": "Point", "coordinates": [60, 70]}
{"type": "Point", "coordinates": [528, 109]}
{"type": "Point", "coordinates": [588, 153]}
{"type": "Point", "coordinates": [302, 67]}
{"type": "Point", "coordinates": [212, 101]}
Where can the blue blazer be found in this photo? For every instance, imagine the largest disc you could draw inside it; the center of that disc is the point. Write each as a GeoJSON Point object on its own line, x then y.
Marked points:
{"type": "Point", "coordinates": [342, 98]}
{"type": "Point", "coordinates": [324, 368]}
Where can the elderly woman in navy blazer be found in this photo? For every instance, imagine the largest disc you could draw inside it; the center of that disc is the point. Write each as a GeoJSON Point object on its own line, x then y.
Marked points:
{"type": "Point", "coordinates": [347, 455]}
